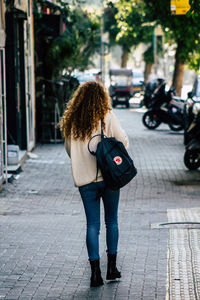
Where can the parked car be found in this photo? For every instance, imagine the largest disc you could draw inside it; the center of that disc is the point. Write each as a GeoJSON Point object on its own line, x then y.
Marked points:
{"type": "Point", "coordinates": [83, 77]}
{"type": "Point", "coordinates": [138, 81]}
{"type": "Point", "coordinates": [121, 89]}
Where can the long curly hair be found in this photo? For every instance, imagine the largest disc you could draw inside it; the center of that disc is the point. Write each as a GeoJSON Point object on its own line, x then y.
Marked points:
{"type": "Point", "coordinates": [89, 104]}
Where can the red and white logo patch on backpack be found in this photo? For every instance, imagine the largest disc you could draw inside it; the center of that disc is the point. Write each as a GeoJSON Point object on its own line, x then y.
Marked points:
{"type": "Point", "coordinates": [117, 160]}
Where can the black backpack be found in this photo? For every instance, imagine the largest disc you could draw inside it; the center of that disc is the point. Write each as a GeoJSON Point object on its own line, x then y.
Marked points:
{"type": "Point", "coordinates": [113, 160]}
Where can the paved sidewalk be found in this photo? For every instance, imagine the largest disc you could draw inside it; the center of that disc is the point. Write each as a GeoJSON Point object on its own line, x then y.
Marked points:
{"type": "Point", "coordinates": [42, 224]}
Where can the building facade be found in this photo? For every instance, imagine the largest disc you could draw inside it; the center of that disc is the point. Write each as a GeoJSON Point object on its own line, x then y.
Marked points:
{"type": "Point", "coordinates": [20, 84]}
{"type": "Point", "coordinates": [3, 132]}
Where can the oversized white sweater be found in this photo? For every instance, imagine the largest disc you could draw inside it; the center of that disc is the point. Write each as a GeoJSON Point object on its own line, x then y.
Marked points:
{"type": "Point", "coordinates": [84, 166]}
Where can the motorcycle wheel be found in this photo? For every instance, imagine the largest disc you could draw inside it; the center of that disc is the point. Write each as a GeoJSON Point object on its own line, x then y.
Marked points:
{"type": "Point", "coordinates": [192, 159]}
{"type": "Point", "coordinates": [151, 120]}
{"type": "Point", "coordinates": [175, 127]}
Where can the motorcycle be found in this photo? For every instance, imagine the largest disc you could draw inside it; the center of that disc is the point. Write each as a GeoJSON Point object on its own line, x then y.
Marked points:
{"type": "Point", "coordinates": [163, 107]}
{"type": "Point", "coordinates": [188, 118]}
{"type": "Point", "coordinates": [192, 153]}
{"type": "Point", "coordinates": [193, 98]}
{"type": "Point", "coordinates": [150, 89]}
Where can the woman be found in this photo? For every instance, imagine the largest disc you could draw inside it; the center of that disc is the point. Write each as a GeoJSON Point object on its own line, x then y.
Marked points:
{"type": "Point", "coordinates": [88, 110]}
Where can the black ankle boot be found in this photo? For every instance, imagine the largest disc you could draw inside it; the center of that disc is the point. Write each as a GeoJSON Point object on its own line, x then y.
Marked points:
{"type": "Point", "coordinates": [96, 279]}
{"type": "Point", "coordinates": [112, 271]}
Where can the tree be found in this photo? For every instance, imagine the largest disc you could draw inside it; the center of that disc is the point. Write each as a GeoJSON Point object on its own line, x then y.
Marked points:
{"type": "Point", "coordinates": [194, 61]}
{"type": "Point", "coordinates": [183, 29]}
{"type": "Point", "coordinates": [110, 22]}
{"type": "Point", "coordinates": [76, 46]}
{"type": "Point", "coordinates": [195, 8]}
{"type": "Point", "coordinates": [57, 52]}
{"type": "Point", "coordinates": [123, 21]}
{"type": "Point", "coordinates": [149, 61]}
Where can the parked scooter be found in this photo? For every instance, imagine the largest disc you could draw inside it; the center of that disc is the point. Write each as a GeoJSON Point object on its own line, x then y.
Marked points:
{"type": "Point", "coordinates": [150, 90]}
{"type": "Point", "coordinates": [163, 107]}
{"type": "Point", "coordinates": [188, 118]}
{"type": "Point", "coordinates": [192, 153]}
{"type": "Point", "coordinates": [193, 98]}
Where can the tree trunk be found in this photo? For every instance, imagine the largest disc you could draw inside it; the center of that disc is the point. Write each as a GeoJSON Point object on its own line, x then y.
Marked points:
{"type": "Point", "coordinates": [147, 71]}
{"type": "Point", "coordinates": [178, 73]}
{"type": "Point", "coordinates": [124, 58]}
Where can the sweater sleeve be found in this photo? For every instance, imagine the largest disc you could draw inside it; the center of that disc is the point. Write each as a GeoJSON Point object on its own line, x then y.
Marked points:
{"type": "Point", "coordinates": [68, 146]}
{"type": "Point", "coordinates": [118, 132]}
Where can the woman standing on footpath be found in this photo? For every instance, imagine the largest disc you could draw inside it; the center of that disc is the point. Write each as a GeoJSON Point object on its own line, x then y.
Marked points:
{"type": "Point", "coordinates": [88, 110]}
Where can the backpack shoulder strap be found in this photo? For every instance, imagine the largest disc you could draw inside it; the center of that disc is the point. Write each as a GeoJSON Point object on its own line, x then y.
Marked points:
{"type": "Point", "coordinates": [92, 152]}
{"type": "Point", "coordinates": [102, 134]}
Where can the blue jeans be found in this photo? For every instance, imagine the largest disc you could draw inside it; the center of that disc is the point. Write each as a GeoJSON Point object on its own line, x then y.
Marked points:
{"type": "Point", "coordinates": [90, 194]}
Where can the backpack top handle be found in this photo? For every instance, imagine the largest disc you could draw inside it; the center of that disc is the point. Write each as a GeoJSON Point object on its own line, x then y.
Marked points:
{"type": "Point", "coordinates": [92, 152]}
{"type": "Point", "coordinates": [99, 134]}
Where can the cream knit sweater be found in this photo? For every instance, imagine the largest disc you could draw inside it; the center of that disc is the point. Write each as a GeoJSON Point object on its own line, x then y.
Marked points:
{"type": "Point", "coordinates": [84, 167]}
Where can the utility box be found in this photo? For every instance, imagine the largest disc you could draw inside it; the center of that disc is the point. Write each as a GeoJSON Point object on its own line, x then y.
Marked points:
{"type": "Point", "coordinates": [13, 154]}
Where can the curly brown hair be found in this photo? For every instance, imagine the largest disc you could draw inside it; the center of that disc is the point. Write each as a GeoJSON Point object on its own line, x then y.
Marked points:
{"type": "Point", "coordinates": [89, 104]}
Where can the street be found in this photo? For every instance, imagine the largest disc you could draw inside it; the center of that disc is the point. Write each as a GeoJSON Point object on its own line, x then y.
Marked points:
{"type": "Point", "coordinates": [42, 237]}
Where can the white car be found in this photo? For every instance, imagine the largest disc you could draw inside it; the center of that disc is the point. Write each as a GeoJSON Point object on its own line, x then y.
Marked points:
{"type": "Point", "coordinates": [84, 77]}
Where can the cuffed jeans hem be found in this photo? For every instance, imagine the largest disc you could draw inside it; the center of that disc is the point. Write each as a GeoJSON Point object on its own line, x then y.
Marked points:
{"type": "Point", "coordinates": [111, 252]}
{"type": "Point", "coordinates": [92, 258]}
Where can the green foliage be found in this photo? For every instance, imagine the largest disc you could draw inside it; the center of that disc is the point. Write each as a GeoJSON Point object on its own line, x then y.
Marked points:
{"type": "Point", "coordinates": [75, 48]}
{"type": "Point", "coordinates": [124, 21]}
{"type": "Point", "coordinates": [195, 8]}
{"type": "Point", "coordinates": [183, 29]}
{"type": "Point", "coordinates": [79, 42]}
{"type": "Point", "coordinates": [194, 61]}
{"type": "Point", "coordinates": [128, 25]}
{"type": "Point", "coordinates": [129, 19]}
{"type": "Point", "coordinates": [148, 55]}
{"type": "Point", "coordinates": [110, 22]}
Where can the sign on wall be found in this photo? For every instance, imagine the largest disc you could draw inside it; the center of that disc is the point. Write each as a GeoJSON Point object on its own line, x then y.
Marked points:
{"type": "Point", "coordinates": [179, 7]}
